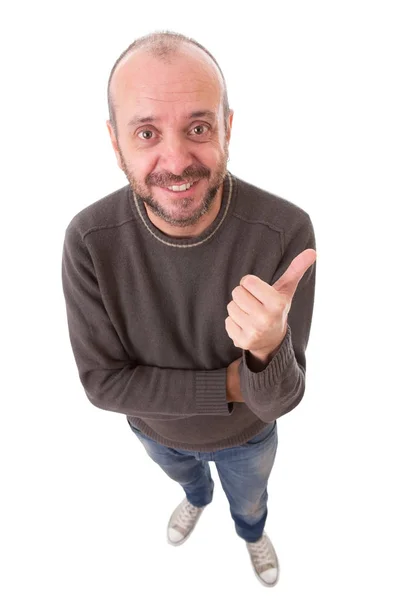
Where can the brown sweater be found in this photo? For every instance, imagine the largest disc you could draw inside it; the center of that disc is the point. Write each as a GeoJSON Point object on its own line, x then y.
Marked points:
{"type": "Point", "coordinates": [146, 315]}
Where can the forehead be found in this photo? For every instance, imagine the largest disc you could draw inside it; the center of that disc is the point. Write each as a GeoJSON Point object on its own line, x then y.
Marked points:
{"type": "Point", "coordinates": [187, 81]}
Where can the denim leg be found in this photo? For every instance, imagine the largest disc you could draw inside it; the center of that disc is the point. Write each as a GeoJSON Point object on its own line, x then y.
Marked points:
{"type": "Point", "coordinates": [244, 472]}
{"type": "Point", "coordinates": [192, 474]}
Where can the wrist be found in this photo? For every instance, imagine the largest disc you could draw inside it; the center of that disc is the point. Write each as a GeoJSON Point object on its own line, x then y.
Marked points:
{"type": "Point", "coordinates": [257, 361]}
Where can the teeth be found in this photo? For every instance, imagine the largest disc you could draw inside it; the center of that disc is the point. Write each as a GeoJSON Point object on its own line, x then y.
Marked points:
{"type": "Point", "coordinates": [180, 188]}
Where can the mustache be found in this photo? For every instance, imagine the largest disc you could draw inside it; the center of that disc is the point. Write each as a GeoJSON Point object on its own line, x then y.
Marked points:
{"type": "Point", "coordinates": [166, 179]}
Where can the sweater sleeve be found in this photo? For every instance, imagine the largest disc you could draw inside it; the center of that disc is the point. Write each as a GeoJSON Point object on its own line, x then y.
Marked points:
{"type": "Point", "coordinates": [280, 387]}
{"type": "Point", "coordinates": [110, 378]}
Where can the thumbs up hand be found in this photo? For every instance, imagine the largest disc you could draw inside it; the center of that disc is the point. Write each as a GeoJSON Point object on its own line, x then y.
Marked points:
{"type": "Point", "coordinates": [258, 313]}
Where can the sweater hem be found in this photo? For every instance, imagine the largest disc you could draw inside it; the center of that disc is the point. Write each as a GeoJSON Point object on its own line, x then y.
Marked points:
{"type": "Point", "coordinates": [237, 439]}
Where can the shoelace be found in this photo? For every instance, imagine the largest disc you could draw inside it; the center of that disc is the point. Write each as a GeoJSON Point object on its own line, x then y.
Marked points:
{"type": "Point", "coordinates": [187, 514]}
{"type": "Point", "coordinates": [262, 556]}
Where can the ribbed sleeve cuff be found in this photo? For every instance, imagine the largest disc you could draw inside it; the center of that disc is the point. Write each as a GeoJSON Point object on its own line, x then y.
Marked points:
{"type": "Point", "coordinates": [272, 374]}
{"type": "Point", "coordinates": [210, 389]}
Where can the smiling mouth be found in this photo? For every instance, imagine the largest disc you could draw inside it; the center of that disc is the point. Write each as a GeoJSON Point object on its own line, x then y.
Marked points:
{"type": "Point", "coordinates": [180, 189]}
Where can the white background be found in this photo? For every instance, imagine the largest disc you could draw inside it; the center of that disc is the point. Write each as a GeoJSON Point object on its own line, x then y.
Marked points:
{"type": "Point", "coordinates": [314, 86]}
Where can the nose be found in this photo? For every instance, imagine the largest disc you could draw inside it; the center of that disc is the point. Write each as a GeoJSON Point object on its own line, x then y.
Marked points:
{"type": "Point", "coordinates": [175, 155]}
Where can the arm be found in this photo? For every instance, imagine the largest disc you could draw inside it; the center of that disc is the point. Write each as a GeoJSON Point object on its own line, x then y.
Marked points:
{"type": "Point", "coordinates": [273, 385]}
{"type": "Point", "coordinates": [110, 378]}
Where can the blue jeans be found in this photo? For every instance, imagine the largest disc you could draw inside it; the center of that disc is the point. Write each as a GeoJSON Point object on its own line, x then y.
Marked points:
{"type": "Point", "coordinates": [243, 471]}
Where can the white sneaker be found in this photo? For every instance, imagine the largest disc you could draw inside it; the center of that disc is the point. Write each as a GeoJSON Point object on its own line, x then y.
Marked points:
{"type": "Point", "coordinates": [264, 560]}
{"type": "Point", "coordinates": [182, 522]}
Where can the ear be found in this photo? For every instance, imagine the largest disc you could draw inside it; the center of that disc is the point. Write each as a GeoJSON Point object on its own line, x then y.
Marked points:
{"type": "Point", "coordinates": [229, 126]}
{"type": "Point", "coordinates": [114, 142]}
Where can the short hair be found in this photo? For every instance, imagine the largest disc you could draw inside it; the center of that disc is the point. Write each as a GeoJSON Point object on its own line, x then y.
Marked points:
{"type": "Point", "coordinates": [163, 45]}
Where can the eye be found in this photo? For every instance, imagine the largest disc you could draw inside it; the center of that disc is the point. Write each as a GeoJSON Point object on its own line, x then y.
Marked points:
{"type": "Point", "coordinates": [200, 129]}
{"type": "Point", "coordinates": [147, 134]}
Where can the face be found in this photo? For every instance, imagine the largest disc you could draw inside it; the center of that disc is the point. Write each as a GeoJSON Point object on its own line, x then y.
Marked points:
{"type": "Point", "coordinates": [171, 132]}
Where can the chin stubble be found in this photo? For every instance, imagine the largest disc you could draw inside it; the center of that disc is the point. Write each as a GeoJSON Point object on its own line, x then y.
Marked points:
{"type": "Point", "coordinates": [165, 180]}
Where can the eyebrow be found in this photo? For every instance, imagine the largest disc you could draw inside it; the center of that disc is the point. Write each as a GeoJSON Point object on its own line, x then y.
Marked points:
{"type": "Point", "coordinates": [194, 115]}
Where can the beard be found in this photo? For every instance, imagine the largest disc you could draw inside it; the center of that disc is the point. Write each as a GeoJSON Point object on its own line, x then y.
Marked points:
{"type": "Point", "coordinates": [193, 173]}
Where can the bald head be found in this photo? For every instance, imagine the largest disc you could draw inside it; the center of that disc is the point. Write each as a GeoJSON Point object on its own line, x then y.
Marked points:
{"type": "Point", "coordinates": [138, 63]}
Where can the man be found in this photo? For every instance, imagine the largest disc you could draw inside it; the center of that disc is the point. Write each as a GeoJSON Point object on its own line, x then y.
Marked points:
{"type": "Point", "coordinates": [190, 292]}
